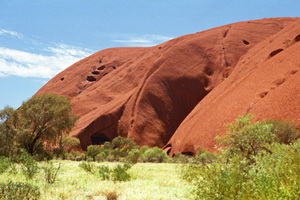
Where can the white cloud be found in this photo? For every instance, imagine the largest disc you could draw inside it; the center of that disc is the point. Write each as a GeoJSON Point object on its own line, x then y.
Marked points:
{"type": "Point", "coordinates": [50, 59]}
{"type": "Point", "coordinates": [11, 33]}
{"type": "Point", "coordinates": [142, 41]}
{"type": "Point", "coordinates": [25, 64]}
{"type": "Point", "coordinates": [54, 58]}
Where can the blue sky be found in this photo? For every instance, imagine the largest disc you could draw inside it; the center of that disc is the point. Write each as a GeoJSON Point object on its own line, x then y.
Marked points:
{"type": "Point", "coordinates": [39, 38]}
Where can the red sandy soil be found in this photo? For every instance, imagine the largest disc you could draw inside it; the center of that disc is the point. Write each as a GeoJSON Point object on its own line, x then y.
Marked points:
{"type": "Point", "coordinates": [180, 93]}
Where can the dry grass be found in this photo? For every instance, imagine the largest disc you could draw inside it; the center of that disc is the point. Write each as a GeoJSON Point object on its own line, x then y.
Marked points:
{"type": "Point", "coordinates": [149, 181]}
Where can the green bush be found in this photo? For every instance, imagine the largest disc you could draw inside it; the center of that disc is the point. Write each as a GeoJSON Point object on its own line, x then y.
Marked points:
{"type": "Point", "coordinates": [29, 166]}
{"type": "Point", "coordinates": [154, 154]}
{"type": "Point", "coordinates": [5, 164]}
{"type": "Point", "coordinates": [285, 132]}
{"type": "Point", "coordinates": [19, 191]}
{"type": "Point", "coordinates": [117, 173]}
{"type": "Point", "coordinates": [118, 149]}
{"type": "Point", "coordinates": [51, 172]}
{"type": "Point", "coordinates": [104, 172]}
{"type": "Point", "coordinates": [93, 151]}
{"type": "Point", "coordinates": [133, 156]}
{"type": "Point", "coordinates": [253, 166]}
{"type": "Point", "coordinates": [182, 158]}
{"type": "Point", "coordinates": [87, 166]}
{"type": "Point", "coordinates": [246, 138]}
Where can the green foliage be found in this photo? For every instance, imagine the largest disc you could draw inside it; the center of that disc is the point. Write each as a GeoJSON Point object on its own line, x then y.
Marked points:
{"type": "Point", "coordinates": [246, 138]}
{"type": "Point", "coordinates": [75, 155]}
{"type": "Point", "coordinates": [29, 166]}
{"type": "Point", "coordinates": [19, 191]}
{"type": "Point", "coordinates": [5, 164]}
{"type": "Point", "coordinates": [285, 132]}
{"type": "Point", "coordinates": [67, 144]}
{"type": "Point", "coordinates": [40, 120]}
{"type": "Point", "coordinates": [181, 158]}
{"type": "Point", "coordinates": [87, 166]}
{"type": "Point", "coordinates": [117, 173]}
{"type": "Point", "coordinates": [44, 117]}
{"type": "Point", "coordinates": [125, 150]}
{"type": "Point", "coordinates": [206, 157]}
{"type": "Point", "coordinates": [133, 156]}
{"type": "Point", "coordinates": [93, 151]}
{"type": "Point", "coordinates": [277, 175]}
{"type": "Point", "coordinates": [254, 165]}
{"type": "Point", "coordinates": [8, 132]}
{"type": "Point", "coordinates": [154, 154]}
{"type": "Point", "coordinates": [51, 172]}
{"type": "Point", "coordinates": [70, 142]}
{"type": "Point", "coordinates": [118, 149]}
{"type": "Point", "coordinates": [104, 172]}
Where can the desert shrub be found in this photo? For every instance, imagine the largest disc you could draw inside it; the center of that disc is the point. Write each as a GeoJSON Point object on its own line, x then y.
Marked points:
{"type": "Point", "coordinates": [87, 166]}
{"type": "Point", "coordinates": [246, 138]}
{"type": "Point", "coordinates": [102, 156]}
{"type": "Point", "coordinates": [205, 157]}
{"type": "Point", "coordinates": [154, 154]}
{"type": "Point", "coordinates": [29, 166]}
{"type": "Point", "coordinates": [118, 149]}
{"type": "Point", "coordinates": [50, 172]}
{"type": "Point", "coordinates": [104, 172]}
{"type": "Point", "coordinates": [253, 166]}
{"type": "Point", "coordinates": [182, 158]}
{"type": "Point", "coordinates": [5, 164]}
{"type": "Point", "coordinates": [278, 172]}
{"type": "Point", "coordinates": [13, 169]}
{"type": "Point", "coordinates": [286, 132]}
{"type": "Point", "coordinates": [75, 155]}
{"type": "Point", "coordinates": [19, 191]}
{"type": "Point", "coordinates": [133, 156]}
{"type": "Point", "coordinates": [117, 173]}
{"type": "Point", "coordinates": [93, 151]}
{"type": "Point", "coordinates": [70, 142]}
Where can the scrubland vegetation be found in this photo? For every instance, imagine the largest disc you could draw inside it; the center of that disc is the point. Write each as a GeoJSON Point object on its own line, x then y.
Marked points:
{"type": "Point", "coordinates": [256, 160]}
{"type": "Point", "coordinates": [260, 160]}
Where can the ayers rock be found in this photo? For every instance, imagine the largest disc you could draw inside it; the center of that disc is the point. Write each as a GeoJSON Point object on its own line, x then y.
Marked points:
{"type": "Point", "coordinates": [179, 94]}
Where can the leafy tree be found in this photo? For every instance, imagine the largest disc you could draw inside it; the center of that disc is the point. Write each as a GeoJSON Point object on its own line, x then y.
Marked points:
{"type": "Point", "coordinates": [8, 132]}
{"type": "Point", "coordinates": [44, 118]}
{"type": "Point", "coordinates": [246, 138]}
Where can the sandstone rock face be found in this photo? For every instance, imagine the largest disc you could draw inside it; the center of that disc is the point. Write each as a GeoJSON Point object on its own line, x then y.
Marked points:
{"type": "Point", "coordinates": [265, 82]}
{"type": "Point", "coordinates": [179, 94]}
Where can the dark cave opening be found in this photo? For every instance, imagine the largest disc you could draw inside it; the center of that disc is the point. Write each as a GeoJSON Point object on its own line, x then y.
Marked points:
{"type": "Point", "coordinates": [98, 139]}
